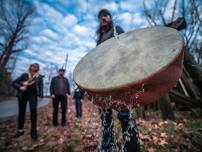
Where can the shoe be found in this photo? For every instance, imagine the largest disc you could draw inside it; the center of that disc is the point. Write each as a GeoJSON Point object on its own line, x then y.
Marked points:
{"type": "Point", "coordinates": [55, 124]}
{"type": "Point", "coordinates": [18, 134]}
{"type": "Point", "coordinates": [34, 134]}
{"type": "Point", "coordinates": [64, 124]}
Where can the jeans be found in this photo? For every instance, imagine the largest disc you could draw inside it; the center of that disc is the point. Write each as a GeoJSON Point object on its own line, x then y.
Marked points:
{"type": "Point", "coordinates": [78, 105]}
{"type": "Point", "coordinates": [129, 131]}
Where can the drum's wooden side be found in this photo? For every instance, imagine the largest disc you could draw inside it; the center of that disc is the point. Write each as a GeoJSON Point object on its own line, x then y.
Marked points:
{"type": "Point", "coordinates": [141, 93]}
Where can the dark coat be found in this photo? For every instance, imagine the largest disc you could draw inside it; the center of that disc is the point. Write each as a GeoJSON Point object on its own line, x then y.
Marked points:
{"type": "Point", "coordinates": [17, 83]}
{"type": "Point", "coordinates": [78, 94]}
{"type": "Point", "coordinates": [109, 34]}
{"type": "Point", "coordinates": [54, 87]}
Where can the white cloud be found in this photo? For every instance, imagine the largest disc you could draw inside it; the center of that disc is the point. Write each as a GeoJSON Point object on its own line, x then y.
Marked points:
{"type": "Point", "coordinates": [75, 57]}
{"type": "Point", "coordinates": [53, 18]}
{"type": "Point", "coordinates": [56, 33]}
{"type": "Point", "coordinates": [130, 5]}
{"type": "Point", "coordinates": [81, 30]}
{"type": "Point", "coordinates": [125, 18]}
{"type": "Point", "coordinates": [40, 39]}
{"type": "Point", "coordinates": [51, 14]}
{"type": "Point", "coordinates": [112, 6]}
{"type": "Point", "coordinates": [139, 20]}
{"type": "Point", "coordinates": [49, 34]}
{"type": "Point", "coordinates": [70, 20]}
{"type": "Point", "coordinates": [83, 5]}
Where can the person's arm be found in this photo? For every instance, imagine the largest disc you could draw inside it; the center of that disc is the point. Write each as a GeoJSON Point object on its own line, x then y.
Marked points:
{"type": "Point", "coordinates": [74, 95]}
{"type": "Point", "coordinates": [52, 86]}
{"type": "Point", "coordinates": [41, 86]}
{"type": "Point", "coordinates": [17, 82]}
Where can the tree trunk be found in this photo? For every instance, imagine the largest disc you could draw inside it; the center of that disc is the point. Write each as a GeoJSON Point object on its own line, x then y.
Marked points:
{"type": "Point", "coordinates": [194, 69]}
{"type": "Point", "coordinates": [181, 99]}
{"type": "Point", "coordinates": [6, 58]}
{"type": "Point", "coordinates": [166, 108]}
{"type": "Point", "coordinates": [8, 50]}
{"type": "Point", "coordinates": [191, 88]}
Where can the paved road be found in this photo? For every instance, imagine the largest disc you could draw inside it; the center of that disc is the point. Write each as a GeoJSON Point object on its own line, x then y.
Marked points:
{"type": "Point", "coordinates": [10, 108]}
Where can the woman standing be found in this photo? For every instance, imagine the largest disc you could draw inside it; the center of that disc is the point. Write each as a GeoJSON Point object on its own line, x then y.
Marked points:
{"type": "Point", "coordinates": [29, 86]}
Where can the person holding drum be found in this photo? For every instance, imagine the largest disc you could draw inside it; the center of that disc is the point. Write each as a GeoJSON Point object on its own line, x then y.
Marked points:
{"type": "Point", "coordinates": [107, 30]}
{"type": "Point", "coordinates": [29, 86]}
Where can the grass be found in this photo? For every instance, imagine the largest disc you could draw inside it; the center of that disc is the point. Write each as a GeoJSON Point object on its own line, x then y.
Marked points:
{"type": "Point", "coordinates": [196, 124]}
{"type": "Point", "coordinates": [68, 148]}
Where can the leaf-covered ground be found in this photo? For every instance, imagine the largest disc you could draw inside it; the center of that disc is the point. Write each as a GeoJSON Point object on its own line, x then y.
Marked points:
{"type": "Point", "coordinates": [184, 135]}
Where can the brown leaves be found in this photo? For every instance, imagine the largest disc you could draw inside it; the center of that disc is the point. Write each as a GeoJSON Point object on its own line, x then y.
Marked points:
{"type": "Point", "coordinates": [85, 134]}
{"type": "Point", "coordinates": [61, 140]}
{"type": "Point", "coordinates": [151, 150]}
{"type": "Point", "coordinates": [164, 133]}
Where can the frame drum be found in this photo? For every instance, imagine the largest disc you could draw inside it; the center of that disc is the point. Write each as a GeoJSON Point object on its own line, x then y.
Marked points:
{"type": "Point", "coordinates": [135, 68]}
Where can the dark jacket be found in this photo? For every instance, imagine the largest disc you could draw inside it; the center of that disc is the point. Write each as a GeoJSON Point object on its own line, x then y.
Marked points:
{"type": "Point", "coordinates": [54, 87]}
{"type": "Point", "coordinates": [17, 83]}
{"type": "Point", "coordinates": [78, 94]}
{"type": "Point", "coordinates": [109, 34]}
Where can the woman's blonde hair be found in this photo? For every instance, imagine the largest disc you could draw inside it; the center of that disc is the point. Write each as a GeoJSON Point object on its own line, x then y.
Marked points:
{"type": "Point", "coordinates": [36, 65]}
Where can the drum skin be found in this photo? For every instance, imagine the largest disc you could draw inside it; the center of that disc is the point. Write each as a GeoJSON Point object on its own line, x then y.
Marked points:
{"type": "Point", "coordinates": [139, 92]}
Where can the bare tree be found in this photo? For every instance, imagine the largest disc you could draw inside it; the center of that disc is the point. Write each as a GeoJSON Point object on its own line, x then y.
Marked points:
{"type": "Point", "coordinates": [166, 12]}
{"type": "Point", "coordinates": [15, 18]}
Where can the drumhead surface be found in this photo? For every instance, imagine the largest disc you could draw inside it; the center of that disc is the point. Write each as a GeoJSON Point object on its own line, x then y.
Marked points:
{"type": "Point", "coordinates": [129, 59]}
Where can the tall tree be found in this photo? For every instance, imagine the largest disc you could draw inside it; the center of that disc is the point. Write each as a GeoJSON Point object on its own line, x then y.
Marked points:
{"type": "Point", "coordinates": [15, 18]}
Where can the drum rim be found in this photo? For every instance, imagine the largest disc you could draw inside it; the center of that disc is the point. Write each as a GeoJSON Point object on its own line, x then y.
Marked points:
{"type": "Point", "coordinates": [128, 85]}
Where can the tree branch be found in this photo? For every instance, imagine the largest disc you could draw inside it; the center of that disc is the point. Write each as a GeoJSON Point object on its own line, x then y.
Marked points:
{"type": "Point", "coordinates": [173, 12]}
{"type": "Point", "coordinates": [18, 50]}
{"type": "Point", "coordinates": [148, 15]}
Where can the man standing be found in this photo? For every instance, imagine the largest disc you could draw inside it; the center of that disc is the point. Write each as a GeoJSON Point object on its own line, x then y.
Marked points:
{"type": "Point", "coordinates": [105, 31]}
{"type": "Point", "coordinates": [60, 91]}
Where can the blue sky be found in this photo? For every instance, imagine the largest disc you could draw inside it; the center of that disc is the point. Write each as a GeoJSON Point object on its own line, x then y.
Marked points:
{"type": "Point", "coordinates": [68, 26]}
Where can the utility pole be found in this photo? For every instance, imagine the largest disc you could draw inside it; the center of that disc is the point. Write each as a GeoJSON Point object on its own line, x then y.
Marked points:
{"type": "Point", "coordinates": [66, 60]}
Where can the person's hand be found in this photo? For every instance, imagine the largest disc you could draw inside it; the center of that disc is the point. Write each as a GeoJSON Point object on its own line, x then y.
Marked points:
{"type": "Point", "coordinates": [53, 96]}
{"type": "Point", "coordinates": [68, 97]}
{"type": "Point", "coordinates": [25, 83]}
{"type": "Point", "coordinates": [23, 88]}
